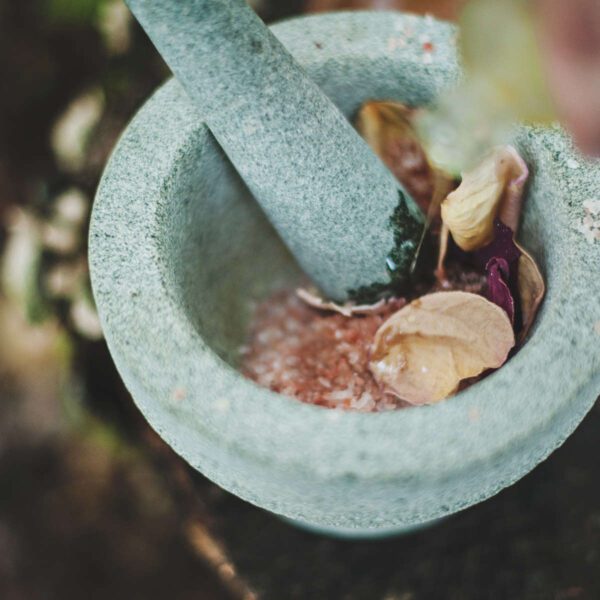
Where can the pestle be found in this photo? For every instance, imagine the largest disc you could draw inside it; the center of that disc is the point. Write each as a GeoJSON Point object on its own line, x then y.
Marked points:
{"type": "Point", "coordinates": [351, 226]}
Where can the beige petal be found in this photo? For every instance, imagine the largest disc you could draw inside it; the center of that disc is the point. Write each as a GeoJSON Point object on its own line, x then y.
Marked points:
{"type": "Point", "coordinates": [423, 351]}
{"type": "Point", "coordinates": [470, 210]}
{"type": "Point", "coordinates": [531, 290]}
{"type": "Point", "coordinates": [511, 203]}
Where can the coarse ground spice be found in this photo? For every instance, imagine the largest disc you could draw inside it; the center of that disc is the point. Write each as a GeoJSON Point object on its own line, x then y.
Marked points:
{"type": "Point", "coordinates": [322, 357]}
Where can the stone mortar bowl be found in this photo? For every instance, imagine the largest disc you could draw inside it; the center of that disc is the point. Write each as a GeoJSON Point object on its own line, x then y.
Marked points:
{"type": "Point", "coordinates": [179, 252]}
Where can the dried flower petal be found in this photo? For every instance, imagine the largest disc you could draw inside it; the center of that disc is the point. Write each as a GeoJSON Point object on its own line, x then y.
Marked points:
{"type": "Point", "coordinates": [512, 201]}
{"type": "Point", "coordinates": [348, 309]}
{"type": "Point", "coordinates": [502, 246]}
{"type": "Point", "coordinates": [388, 128]}
{"type": "Point", "coordinates": [423, 352]}
{"type": "Point", "coordinates": [531, 291]}
{"type": "Point", "coordinates": [498, 292]}
{"type": "Point", "coordinates": [470, 210]}
{"type": "Point", "coordinates": [524, 280]}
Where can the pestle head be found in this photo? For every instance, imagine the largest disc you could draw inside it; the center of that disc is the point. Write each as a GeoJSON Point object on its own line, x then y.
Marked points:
{"type": "Point", "coordinates": [351, 226]}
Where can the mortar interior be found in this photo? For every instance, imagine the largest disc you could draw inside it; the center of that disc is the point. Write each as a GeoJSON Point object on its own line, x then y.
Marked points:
{"type": "Point", "coordinates": [227, 255]}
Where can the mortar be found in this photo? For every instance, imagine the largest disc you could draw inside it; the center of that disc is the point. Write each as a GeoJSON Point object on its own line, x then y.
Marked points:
{"type": "Point", "coordinates": [180, 251]}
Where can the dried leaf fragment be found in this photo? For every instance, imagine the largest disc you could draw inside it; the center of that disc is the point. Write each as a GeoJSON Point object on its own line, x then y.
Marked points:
{"type": "Point", "coordinates": [423, 351]}
{"type": "Point", "coordinates": [348, 309]}
{"type": "Point", "coordinates": [495, 185]}
{"type": "Point", "coordinates": [388, 128]}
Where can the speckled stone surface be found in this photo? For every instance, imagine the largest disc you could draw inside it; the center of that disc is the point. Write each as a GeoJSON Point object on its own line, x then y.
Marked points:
{"type": "Point", "coordinates": [179, 250]}
{"type": "Point", "coordinates": [329, 197]}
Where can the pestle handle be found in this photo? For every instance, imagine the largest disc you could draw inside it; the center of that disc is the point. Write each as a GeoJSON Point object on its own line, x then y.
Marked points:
{"type": "Point", "coordinates": [329, 197]}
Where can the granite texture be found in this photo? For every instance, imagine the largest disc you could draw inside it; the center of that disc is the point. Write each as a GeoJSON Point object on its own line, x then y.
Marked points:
{"type": "Point", "coordinates": [329, 197]}
{"type": "Point", "coordinates": [179, 251]}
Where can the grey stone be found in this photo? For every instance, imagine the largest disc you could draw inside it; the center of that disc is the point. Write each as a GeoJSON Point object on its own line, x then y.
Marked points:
{"type": "Point", "coordinates": [179, 251]}
{"type": "Point", "coordinates": [329, 197]}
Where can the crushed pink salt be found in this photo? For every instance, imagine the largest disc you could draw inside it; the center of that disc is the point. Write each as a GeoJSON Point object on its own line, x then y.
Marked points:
{"type": "Point", "coordinates": [322, 357]}
{"type": "Point", "coordinates": [315, 356]}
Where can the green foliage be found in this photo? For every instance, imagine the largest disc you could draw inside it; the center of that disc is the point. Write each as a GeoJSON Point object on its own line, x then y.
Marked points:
{"type": "Point", "coordinates": [407, 227]}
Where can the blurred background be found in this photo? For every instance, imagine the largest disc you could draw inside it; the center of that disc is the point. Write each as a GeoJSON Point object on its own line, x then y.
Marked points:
{"type": "Point", "coordinates": [92, 503]}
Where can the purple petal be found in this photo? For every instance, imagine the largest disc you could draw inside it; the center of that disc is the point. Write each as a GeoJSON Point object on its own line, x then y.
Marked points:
{"type": "Point", "coordinates": [502, 246]}
{"type": "Point", "coordinates": [498, 292]}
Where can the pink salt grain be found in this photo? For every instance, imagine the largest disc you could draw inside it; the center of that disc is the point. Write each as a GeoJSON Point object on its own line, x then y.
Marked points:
{"type": "Point", "coordinates": [315, 356]}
